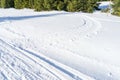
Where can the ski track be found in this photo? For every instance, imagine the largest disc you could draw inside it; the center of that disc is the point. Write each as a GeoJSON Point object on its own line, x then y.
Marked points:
{"type": "Point", "coordinates": [21, 64]}
{"type": "Point", "coordinates": [17, 67]}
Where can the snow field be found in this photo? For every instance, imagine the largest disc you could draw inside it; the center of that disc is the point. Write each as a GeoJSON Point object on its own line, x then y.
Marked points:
{"type": "Point", "coordinates": [58, 46]}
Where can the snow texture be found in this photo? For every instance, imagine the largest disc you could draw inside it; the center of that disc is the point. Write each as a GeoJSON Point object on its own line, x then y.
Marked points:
{"type": "Point", "coordinates": [58, 45]}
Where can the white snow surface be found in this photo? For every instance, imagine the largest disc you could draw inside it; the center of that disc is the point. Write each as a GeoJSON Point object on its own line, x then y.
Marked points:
{"type": "Point", "coordinates": [105, 4]}
{"type": "Point", "coordinates": [58, 45]}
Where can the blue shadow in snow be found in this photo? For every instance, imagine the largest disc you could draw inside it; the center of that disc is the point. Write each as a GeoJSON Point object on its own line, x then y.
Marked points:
{"type": "Point", "coordinates": [4, 77]}
{"type": "Point", "coordinates": [29, 17]}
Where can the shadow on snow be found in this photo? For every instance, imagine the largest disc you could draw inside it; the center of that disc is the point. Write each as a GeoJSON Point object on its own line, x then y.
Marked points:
{"type": "Point", "coordinates": [9, 18]}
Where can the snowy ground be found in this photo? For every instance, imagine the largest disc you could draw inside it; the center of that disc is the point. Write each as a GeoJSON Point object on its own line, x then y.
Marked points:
{"type": "Point", "coordinates": [105, 5]}
{"type": "Point", "coordinates": [58, 45]}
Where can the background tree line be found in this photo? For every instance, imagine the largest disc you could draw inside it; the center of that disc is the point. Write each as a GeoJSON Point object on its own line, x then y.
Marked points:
{"type": "Point", "coordinates": [40, 5]}
{"type": "Point", "coordinates": [66, 5]}
{"type": "Point", "coordinates": [116, 7]}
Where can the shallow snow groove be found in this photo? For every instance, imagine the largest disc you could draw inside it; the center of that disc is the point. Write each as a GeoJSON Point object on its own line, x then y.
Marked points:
{"type": "Point", "coordinates": [14, 64]}
{"type": "Point", "coordinates": [23, 68]}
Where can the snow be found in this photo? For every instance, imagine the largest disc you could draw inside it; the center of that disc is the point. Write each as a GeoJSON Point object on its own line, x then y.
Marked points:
{"type": "Point", "coordinates": [58, 45]}
{"type": "Point", "coordinates": [105, 4]}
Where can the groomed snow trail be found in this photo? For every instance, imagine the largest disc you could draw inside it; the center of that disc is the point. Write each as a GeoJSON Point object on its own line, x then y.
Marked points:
{"type": "Point", "coordinates": [51, 46]}
{"type": "Point", "coordinates": [16, 65]}
{"type": "Point", "coordinates": [20, 64]}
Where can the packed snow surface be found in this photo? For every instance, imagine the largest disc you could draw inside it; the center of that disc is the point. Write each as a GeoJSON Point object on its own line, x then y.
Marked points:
{"type": "Point", "coordinates": [58, 45]}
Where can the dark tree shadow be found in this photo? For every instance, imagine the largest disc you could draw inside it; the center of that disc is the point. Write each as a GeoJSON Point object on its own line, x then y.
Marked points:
{"type": "Point", "coordinates": [28, 17]}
